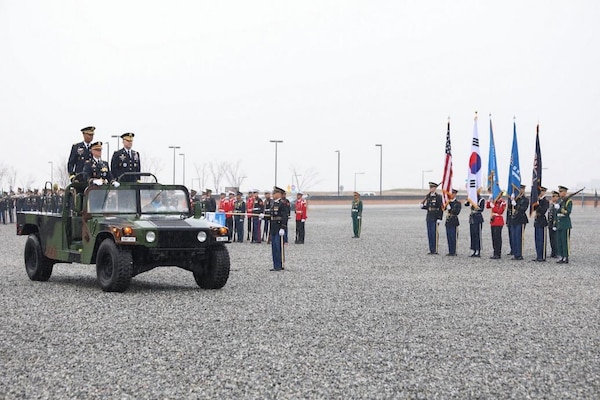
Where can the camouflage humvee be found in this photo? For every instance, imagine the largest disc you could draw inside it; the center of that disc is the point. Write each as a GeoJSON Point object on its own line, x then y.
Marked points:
{"type": "Point", "coordinates": [125, 231]}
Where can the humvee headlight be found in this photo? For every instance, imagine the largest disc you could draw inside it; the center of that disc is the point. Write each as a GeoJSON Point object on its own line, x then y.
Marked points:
{"type": "Point", "coordinates": [127, 231]}
{"type": "Point", "coordinates": [150, 237]}
{"type": "Point", "coordinates": [201, 236]}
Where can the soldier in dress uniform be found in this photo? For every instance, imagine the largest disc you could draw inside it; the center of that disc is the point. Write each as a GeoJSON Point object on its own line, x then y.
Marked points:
{"type": "Point", "coordinates": [249, 205]}
{"type": "Point", "coordinates": [96, 171]}
{"type": "Point", "coordinates": [432, 203]}
{"type": "Point", "coordinates": [258, 210]}
{"type": "Point", "coordinates": [519, 220]}
{"type": "Point", "coordinates": [239, 208]}
{"type": "Point", "coordinates": [279, 217]}
{"type": "Point", "coordinates": [268, 203]}
{"type": "Point", "coordinates": [453, 207]}
{"type": "Point", "coordinates": [80, 153]}
{"type": "Point", "coordinates": [126, 160]}
{"type": "Point", "coordinates": [496, 223]}
{"type": "Point", "coordinates": [210, 203]}
{"type": "Point", "coordinates": [563, 224]}
{"type": "Point", "coordinates": [288, 205]}
{"type": "Point", "coordinates": [552, 224]}
{"type": "Point", "coordinates": [540, 223]}
{"type": "Point", "coordinates": [356, 214]}
{"type": "Point", "coordinates": [300, 218]}
{"type": "Point", "coordinates": [476, 225]}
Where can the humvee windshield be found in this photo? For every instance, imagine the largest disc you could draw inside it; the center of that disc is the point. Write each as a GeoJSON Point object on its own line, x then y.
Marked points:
{"type": "Point", "coordinates": [152, 201]}
{"type": "Point", "coordinates": [112, 201]}
{"type": "Point", "coordinates": [161, 201]}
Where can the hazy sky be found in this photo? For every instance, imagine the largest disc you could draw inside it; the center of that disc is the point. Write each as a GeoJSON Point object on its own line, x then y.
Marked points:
{"type": "Point", "coordinates": [222, 78]}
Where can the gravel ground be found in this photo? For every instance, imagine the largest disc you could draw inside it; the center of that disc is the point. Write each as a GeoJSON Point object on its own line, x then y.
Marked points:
{"type": "Point", "coordinates": [373, 317]}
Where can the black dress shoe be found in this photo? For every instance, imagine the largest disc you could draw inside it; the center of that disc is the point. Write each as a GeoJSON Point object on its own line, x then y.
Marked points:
{"type": "Point", "coordinates": [561, 261]}
{"type": "Point", "coordinates": [495, 257]}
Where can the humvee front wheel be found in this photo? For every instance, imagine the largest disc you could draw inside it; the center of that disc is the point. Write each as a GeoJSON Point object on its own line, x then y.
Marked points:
{"type": "Point", "coordinates": [114, 267]}
{"type": "Point", "coordinates": [37, 265]}
{"type": "Point", "coordinates": [215, 273]}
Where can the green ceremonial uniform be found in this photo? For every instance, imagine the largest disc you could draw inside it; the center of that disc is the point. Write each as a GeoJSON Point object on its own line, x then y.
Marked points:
{"type": "Point", "coordinates": [357, 207]}
{"type": "Point", "coordinates": [563, 228]}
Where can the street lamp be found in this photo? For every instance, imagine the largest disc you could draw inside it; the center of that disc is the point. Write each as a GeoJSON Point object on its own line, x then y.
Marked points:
{"type": "Point", "coordinates": [116, 137]}
{"type": "Point", "coordinates": [51, 171]}
{"type": "Point", "coordinates": [174, 148]}
{"type": "Point", "coordinates": [183, 155]}
{"type": "Point", "coordinates": [276, 141]}
{"type": "Point", "coordinates": [338, 185]}
{"type": "Point", "coordinates": [108, 151]}
{"type": "Point", "coordinates": [380, 167]}
{"type": "Point", "coordinates": [423, 177]}
{"type": "Point", "coordinates": [356, 173]}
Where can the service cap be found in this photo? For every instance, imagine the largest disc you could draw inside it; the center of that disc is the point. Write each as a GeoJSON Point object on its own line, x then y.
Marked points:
{"type": "Point", "coordinates": [96, 146]}
{"type": "Point", "coordinates": [523, 186]}
{"type": "Point", "coordinates": [562, 188]}
{"type": "Point", "coordinates": [88, 129]}
{"type": "Point", "coordinates": [128, 136]}
{"type": "Point", "coordinates": [433, 184]}
{"type": "Point", "coordinates": [542, 189]}
{"type": "Point", "coordinates": [454, 191]}
{"type": "Point", "coordinates": [277, 189]}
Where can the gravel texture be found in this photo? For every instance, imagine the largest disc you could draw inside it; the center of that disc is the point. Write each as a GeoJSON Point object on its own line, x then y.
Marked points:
{"type": "Point", "coordinates": [374, 317]}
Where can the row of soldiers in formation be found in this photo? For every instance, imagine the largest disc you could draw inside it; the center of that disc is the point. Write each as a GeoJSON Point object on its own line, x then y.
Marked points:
{"type": "Point", "coordinates": [551, 221]}
{"type": "Point", "coordinates": [257, 210]}
{"type": "Point", "coordinates": [30, 200]}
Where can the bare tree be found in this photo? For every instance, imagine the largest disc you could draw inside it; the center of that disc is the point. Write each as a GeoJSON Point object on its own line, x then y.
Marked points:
{"type": "Point", "coordinates": [201, 175]}
{"type": "Point", "coordinates": [217, 170]}
{"type": "Point", "coordinates": [151, 164]}
{"type": "Point", "coordinates": [304, 179]}
{"type": "Point", "coordinates": [61, 176]}
{"type": "Point", "coordinates": [234, 176]}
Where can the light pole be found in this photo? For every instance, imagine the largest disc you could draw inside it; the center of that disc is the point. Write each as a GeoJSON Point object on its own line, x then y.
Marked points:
{"type": "Point", "coordinates": [51, 171]}
{"type": "Point", "coordinates": [276, 142]}
{"type": "Point", "coordinates": [356, 173]}
{"type": "Point", "coordinates": [108, 151]}
{"type": "Point", "coordinates": [338, 185]}
{"type": "Point", "coordinates": [183, 155]}
{"type": "Point", "coordinates": [423, 177]}
{"type": "Point", "coordinates": [174, 148]}
{"type": "Point", "coordinates": [380, 167]}
{"type": "Point", "coordinates": [116, 137]}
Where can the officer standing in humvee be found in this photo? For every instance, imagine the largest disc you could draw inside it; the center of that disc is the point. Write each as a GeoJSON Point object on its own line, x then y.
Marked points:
{"type": "Point", "coordinates": [80, 153]}
{"type": "Point", "coordinates": [126, 160]}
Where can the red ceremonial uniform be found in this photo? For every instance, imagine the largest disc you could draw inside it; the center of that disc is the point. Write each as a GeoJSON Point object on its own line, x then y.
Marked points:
{"type": "Point", "coordinates": [300, 209]}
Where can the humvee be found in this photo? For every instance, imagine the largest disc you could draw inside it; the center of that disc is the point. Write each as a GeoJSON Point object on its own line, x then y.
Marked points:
{"type": "Point", "coordinates": [125, 231]}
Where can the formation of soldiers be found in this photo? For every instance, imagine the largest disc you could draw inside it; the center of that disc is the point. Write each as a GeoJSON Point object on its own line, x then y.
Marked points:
{"type": "Point", "coordinates": [31, 200]}
{"type": "Point", "coordinates": [551, 221]}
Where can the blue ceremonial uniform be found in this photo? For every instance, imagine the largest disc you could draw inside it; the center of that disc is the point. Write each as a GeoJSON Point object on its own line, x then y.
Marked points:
{"type": "Point", "coordinates": [80, 155]}
{"type": "Point", "coordinates": [517, 225]}
{"type": "Point", "coordinates": [125, 161]}
{"type": "Point", "coordinates": [540, 223]}
{"type": "Point", "coordinates": [433, 205]}
{"type": "Point", "coordinates": [279, 217]}
{"type": "Point", "coordinates": [97, 169]}
{"type": "Point", "coordinates": [452, 224]}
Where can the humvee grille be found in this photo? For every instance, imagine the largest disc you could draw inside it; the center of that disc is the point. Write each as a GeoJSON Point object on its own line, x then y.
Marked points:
{"type": "Point", "coordinates": [178, 240]}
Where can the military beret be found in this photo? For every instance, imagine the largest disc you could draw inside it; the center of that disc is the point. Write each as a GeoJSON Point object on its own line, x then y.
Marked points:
{"type": "Point", "coordinates": [129, 136]}
{"type": "Point", "coordinates": [562, 188]}
{"type": "Point", "coordinates": [88, 129]}
{"type": "Point", "coordinates": [433, 184]}
{"type": "Point", "coordinates": [96, 146]}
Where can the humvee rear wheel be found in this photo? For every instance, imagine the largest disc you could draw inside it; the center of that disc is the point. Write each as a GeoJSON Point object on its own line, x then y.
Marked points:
{"type": "Point", "coordinates": [114, 267]}
{"type": "Point", "coordinates": [37, 265]}
{"type": "Point", "coordinates": [215, 273]}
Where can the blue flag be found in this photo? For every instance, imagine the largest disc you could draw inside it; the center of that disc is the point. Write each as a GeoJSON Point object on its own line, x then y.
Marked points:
{"type": "Point", "coordinates": [514, 173]}
{"type": "Point", "coordinates": [536, 180]}
{"type": "Point", "coordinates": [493, 187]}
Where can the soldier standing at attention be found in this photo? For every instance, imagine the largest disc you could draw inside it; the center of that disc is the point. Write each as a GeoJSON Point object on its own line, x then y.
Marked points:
{"type": "Point", "coordinates": [519, 220]}
{"type": "Point", "coordinates": [476, 224]}
{"type": "Point", "coordinates": [279, 217]}
{"type": "Point", "coordinates": [80, 153]}
{"type": "Point", "coordinates": [432, 203]}
{"type": "Point", "coordinates": [288, 207]}
{"type": "Point", "coordinates": [126, 160]}
{"type": "Point", "coordinates": [356, 213]}
{"type": "Point", "coordinates": [211, 204]}
{"type": "Point", "coordinates": [258, 210]}
{"type": "Point", "coordinates": [452, 222]}
{"type": "Point", "coordinates": [239, 208]}
{"type": "Point", "coordinates": [228, 213]}
{"type": "Point", "coordinates": [300, 218]}
{"type": "Point", "coordinates": [268, 202]}
{"type": "Point", "coordinates": [540, 222]}
{"type": "Point", "coordinates": [563, 224]}
{"type": "Point", "coordinates": [552, 224]}
{"type": "Point", "coordinates": [497, 222]}
{"type": "Point", "coordinates": [249, 205]}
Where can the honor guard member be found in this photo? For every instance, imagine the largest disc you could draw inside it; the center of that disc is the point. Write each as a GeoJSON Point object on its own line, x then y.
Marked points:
{"type": "Point", "coordinates": [496, 222]}
{"type": "Point", "coordinates": [228, 213]}
{"type": "Point", "coordinates": [268, 203]}
{"type": "Point", "coordinates": [539, 224]}
{"type": "Point", "coordinates": [356, 214]}
{"type": "Point", "coordinates": [239, 209]}
{"type": "Point", "coordinates": [519, 220]}
{"type": "Point", "coordinates": [249, 205]}
{"type": "Point", "coordinates": [279, 218]}
{"type": "Point", "coordinates": [221, 207]}
{"type": "Point", "coordinates": [126, 160]}
{"type": "Point", "coordinates": [80, 153]}
{"type": "Point", "coordinates": [285, 200]}
{"type": "Point", "coordinates": [432, 203]}
{"type": "Point", "coordinates": [97, 172]}
{"type": "Point", "coordinates": [552, 224]}
{"type": "Point", "coordinates": [300, 218]}
{"type": "Point", "coordinates": [210, 203]}
{"type": "Point", "coordinates": [258, 210]}
{"type": "Point", "coordinates": [453, 207]}
{"type": "Point", "coordinates": [476, 225]}
{"type": "Point", "coordinates": [563, 224]}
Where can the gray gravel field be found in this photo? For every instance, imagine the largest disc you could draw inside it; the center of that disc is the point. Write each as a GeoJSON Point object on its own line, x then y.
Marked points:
{"type": "Point", "coordinates": [374, 317]}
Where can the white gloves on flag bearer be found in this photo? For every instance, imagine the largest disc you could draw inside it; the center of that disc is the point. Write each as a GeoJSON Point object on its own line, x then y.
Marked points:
{"type": "Point", "coordinates": [261, 216]}
{"type": "Point", "coordinates": [97, 182]}
{"type": "Point", "coordinates": [439, 221]}
{"type": "Point", "coordinates": [448, 207]}
{"type": "Point", "coordinates": [281, 232]}
{"type": "Point", "coordinates": [514, 203]}
{"type": "Point", "coordinates": [557, 206]}
{"type": "Point", "coordinates": [490, 198]}
{"type": "Point", "coordinates": [116, 184]}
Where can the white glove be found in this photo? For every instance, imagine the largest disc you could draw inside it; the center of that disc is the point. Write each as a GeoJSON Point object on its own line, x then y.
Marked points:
{"type": "Point", "coordinates": [490, 198]}
{"type": "Point", "coordinates": [302, 220]}
{"type": "Point", "coordinates": [554, 228]}
{"type": "Point", "coordinates": [448, 207]}
{"type": "Point", "coordinates": [557, 206]}
{"type": "Point", "coordinates": [358, 217]}
{"type": "Point", "coordinates": [97, 182]}
{"type": "Point", "coordinates": [512, 196]}
{"type": "Point", "coordinates": [439, 221]}
{"type": "Point", "coordinates": [116, 184]}
{"type": "Point", "coordinates": [281, 232]}
{"type": "Point", "coordinates": [261, 215]}
{"type": "Point", "coordinates": [514, 203]}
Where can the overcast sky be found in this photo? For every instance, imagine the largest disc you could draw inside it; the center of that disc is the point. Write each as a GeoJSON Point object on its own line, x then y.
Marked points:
{"type": "Point", "coordinates": [222, 78]}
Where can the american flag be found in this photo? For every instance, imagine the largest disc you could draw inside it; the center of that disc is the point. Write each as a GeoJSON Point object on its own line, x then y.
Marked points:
{"type": "Point", "coordinates": [447, 180]}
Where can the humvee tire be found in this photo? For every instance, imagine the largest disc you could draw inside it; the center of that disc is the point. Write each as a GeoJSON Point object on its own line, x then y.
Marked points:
{"type": "Point", "coordinates": [215, 273]}
{"type": "Point", "coordinates": [114, 267]}
{"type": "Point", "coordinates": [37, 265]}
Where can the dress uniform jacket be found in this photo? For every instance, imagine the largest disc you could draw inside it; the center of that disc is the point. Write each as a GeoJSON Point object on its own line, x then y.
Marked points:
{"type": "Point", "coordinates": [122, 162]}
{"type": "Point", "coordinates": [80, 154]}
